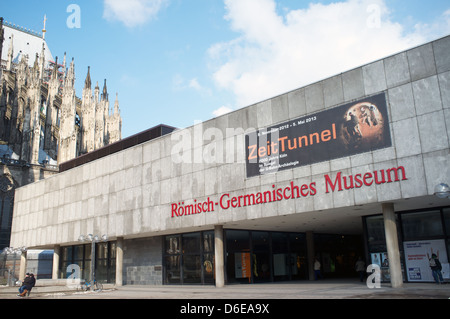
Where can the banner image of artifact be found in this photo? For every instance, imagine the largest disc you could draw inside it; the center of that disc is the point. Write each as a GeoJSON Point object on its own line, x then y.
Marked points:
{"type": "Point", "coordinates": [346, 130]}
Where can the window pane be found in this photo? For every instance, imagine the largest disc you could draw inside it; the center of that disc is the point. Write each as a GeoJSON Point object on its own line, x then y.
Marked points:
{"type": "Point", "coordinates": [191, 243]}
{"type": "Point", "coordinates": [101, 271]}
{"type": "Point", "coordinates": [87, 252]}
{"type": "Point", "coordinates": [297, 242]}
{"type": "Point", "coordinates": [375, 229]}
{"type": "Point", "coordinates": [173, 274]}
{"type": "Point", "coordinates": [86, 271]}
{"type": "Point", "coordinates": [447, 220]}
{"type": "Point", "coordinates": [260, 240]}
{"type": "Point", "coordinates": [192, 273]}
{"type": "Point", "coordinates": [6, 213]}
{"type": "Point", "coordinates": [237, 240]}
{"type": "Point", "coordinates": [67, 253]}
{"type": "Point", "coordinates": [208, 241]}
{"type": "Point", "coordinates": [281, 266]}
{"type": "Point", "coordinates": [64, 266]}
{"type": "Point", "coordinates": [172, 244]}
{"type": "Point", "coordinates": [102, 250]}
{"type": "Point", "coordinates": [424, 224]}
{"type": "Point", "coordinates": [112, 250]}
{"type": "Point", "coordinates": [280, 242]}
{"type": "Point", "coordinates": [78, 252]}
{"type": "Point", "coordinates": [208, 268]}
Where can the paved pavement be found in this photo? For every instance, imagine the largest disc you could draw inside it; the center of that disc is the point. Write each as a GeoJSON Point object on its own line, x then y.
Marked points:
{"type": "Point", "coordinates": [272, 300]}
{"type": "Point", "coordinates": [327, 289]}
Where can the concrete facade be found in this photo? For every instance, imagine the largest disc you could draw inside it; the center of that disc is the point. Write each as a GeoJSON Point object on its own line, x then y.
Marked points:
{"type": "Point", "coordinates": [130, 194]}
{"type": "Point", "coordinates": [143, 261]}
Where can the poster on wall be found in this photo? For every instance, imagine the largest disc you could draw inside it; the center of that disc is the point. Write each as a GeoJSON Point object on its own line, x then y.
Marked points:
{"type": "Point", "coordinates": [350, 129]}
{"type": "Point", "coordinates": [417, 255]}
{"type": "Point", "coordinates": [382, 261]}
{"type": "Point", "coordinates": [242, 265]}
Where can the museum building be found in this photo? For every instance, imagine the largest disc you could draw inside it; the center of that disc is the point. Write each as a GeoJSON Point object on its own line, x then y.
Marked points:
{"type": "Point", "coordinates": [346, 167]}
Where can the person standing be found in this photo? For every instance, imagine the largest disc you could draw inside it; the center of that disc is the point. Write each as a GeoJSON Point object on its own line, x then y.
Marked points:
{"type": "Point", "coordinates": [360, 268]}
{"type": "Point", "coordinates": [436, 268]}
{"type": "Point", "coordinates": [317, 272]}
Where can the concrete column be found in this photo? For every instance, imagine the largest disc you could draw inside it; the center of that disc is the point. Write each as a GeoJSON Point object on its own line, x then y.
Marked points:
{"type": "Point", "coordinates": [119, 261]}
{"type": "Point", "coordinates": [310, 253]}
{"type": "Point", "coordinates": [56, 256]}
{"type": "Point", "coordinates": [23, 265]}
{"type": "Point", "coordinates": [390, 228]}
{"type": "Point", "coordinates": [219, 259]}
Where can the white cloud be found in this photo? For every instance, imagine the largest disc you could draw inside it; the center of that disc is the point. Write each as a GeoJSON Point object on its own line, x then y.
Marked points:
{"type": "Point", "coordinates": [276, 53]}
{"type": "Point", "coordinates": [132, 12]}
{"type": "Point", "coordinates": [221, 111]}
{"type": "Point", "coordinates": [179, 83]}
{"type": "Point", "coordinates": [193, 83]}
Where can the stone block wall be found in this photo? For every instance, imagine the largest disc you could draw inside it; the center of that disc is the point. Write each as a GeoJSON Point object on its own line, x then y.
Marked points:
{"type": "Point", "coordinates": [142, 261]}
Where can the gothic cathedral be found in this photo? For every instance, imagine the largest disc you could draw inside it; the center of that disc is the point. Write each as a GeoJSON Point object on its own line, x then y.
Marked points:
{"type": "Point", "coordinates": [43, 123]}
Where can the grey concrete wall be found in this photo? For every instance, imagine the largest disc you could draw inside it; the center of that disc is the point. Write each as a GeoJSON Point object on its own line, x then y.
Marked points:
{"type": "Point", "coordinates": [142, 263]}
{"type": "Point", "coordinates": [130, 193]}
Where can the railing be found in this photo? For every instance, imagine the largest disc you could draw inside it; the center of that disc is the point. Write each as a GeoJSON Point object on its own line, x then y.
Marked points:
{"type": "Point", "coordinates": [6, 160]}
{"type": "Point", "coordinates": [8, 278]}
{"type": "Point", "coordinates": [13, 162]}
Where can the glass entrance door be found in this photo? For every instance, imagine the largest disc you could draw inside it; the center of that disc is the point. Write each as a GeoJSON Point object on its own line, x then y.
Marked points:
{"type": "Point", "coordinates": [262, 265]}
{"type": "Point", "coordinates": [259, 256]}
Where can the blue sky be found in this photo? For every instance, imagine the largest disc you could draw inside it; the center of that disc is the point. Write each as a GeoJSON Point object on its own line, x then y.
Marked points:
{"type": "Point", "coordinates": [180, 61]}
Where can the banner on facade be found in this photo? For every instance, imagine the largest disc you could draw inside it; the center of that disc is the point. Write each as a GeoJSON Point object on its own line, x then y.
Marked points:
{"type": "Point", "coordinates": [346, 130]}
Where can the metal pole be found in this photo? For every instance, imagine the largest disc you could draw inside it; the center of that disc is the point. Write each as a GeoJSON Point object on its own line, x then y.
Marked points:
{"type": "Point", "coordinates": [93, 261]}
{"type": "Point", "coordinates": [14, 269]}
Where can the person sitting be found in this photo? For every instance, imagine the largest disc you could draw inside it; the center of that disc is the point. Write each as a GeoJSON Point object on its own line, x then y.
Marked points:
{"type": "Point", "coordinates": [27, 284]}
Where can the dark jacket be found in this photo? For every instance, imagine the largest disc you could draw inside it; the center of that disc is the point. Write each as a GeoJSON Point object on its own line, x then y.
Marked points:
{"type": "Point", "coordinates": [29, 282]}
{"type": "Point", "coordinates": [436, 265]}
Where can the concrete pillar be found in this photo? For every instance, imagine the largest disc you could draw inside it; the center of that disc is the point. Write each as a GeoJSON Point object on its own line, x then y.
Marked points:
{"type": "Point", "coordinates": [310, 253]}
{"type": "Point", "coordinates": [56, 256]}
{"type": "Point", "coordinates": [23, 265]}
{"type": "Point", "coordinates": [390, 228]}
{"type": "Point", "coordinates": [119, 262]}
{"type": "Point", "coordinates": [219, 256]}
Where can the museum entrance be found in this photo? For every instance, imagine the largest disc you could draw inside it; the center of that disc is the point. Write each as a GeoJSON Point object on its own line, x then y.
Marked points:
{"type": "Point", "coordinates": [338, 254]}
{"type": "Point", "coordinates": [258, 256]}
{"type": "Point", "coordinates": [262, 256]}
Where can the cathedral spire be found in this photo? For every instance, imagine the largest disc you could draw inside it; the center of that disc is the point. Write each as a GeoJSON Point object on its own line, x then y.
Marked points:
{"type": "Point", "coordinates": [70, 76]}
{"type": "Point", "coordinates": [87, 82]}
{"type": "Point", "coordinates": [42, 61]}
{"type": "Point", "coordinates": [105, 93]}
{"type": "Point", "coordinates": [55, 69]}
{"type": "Point", "coordinates": [116, 104]}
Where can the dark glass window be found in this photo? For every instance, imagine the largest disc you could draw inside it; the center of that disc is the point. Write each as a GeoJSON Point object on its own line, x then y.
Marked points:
{"type": "Point", "coordinates": [191, 243]}
{"type": "Point", "coordinates": [422, 225]}
{"type": "Point", "coordinates": [298, 261]}
{"type": "Point", "coordinates": [447, 220]}
{"type": "Point", "coordinates": [173, 244]}
{"type": "Point", "coordinates": [237, 240]}
{"type": "Point", "coordinates": [375, 228]}
{"type": "Point", "coordinates": [189, 258]}
{"type": "Point", "coordinates": [172, 269]}
{"type": "Point", "coordinates": [105, 261]}
{"type": "Point", "coordinates": [6, 209]}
